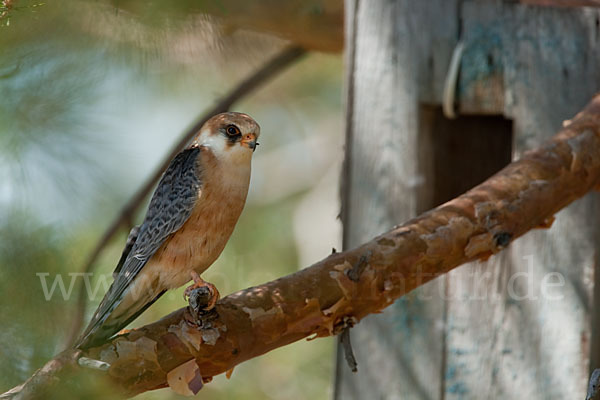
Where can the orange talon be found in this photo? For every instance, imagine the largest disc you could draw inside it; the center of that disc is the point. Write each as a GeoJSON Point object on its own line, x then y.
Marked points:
{"type": "Point", "coordinates": [198, 283]}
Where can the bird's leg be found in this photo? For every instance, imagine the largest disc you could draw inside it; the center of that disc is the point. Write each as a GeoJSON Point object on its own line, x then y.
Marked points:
{"type": "Point", "coordinates": [208, 299]}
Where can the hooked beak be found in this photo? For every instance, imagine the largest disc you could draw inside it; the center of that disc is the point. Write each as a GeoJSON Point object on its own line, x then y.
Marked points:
{"type": "Point", "coordinates": [249, 141]}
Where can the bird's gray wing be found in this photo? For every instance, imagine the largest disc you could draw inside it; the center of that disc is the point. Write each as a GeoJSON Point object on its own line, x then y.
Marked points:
{"type": "Point", "coordinates": [131, 238]}
{"type": "Point", "coordinates": [170, 206]}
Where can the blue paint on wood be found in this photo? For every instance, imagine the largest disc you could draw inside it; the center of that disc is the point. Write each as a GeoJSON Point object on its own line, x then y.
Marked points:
{"type": "Point", "coordinates": [458, 388]}
{"type": "Point", "coordinates": [482, 57]}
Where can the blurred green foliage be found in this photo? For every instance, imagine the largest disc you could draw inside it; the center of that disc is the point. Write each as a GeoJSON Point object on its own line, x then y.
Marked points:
{"type": "Point", "coordinates": [31, 326]}
{"type": "Point", "coordinates": [89, 101]}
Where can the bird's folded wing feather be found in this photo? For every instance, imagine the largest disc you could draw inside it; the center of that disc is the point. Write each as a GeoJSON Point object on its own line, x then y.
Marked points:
{"type": "Point", "coordinates": [133, 234]}
{"type": "Point", "coordinates": [170, 206]}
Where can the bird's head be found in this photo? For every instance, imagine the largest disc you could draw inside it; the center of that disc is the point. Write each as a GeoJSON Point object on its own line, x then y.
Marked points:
{"type": "Point", "coordinates": [230, 135]}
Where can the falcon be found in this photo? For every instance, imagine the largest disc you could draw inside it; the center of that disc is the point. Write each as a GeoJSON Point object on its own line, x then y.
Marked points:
{"type": "Point", "coordinates": [191, 216]}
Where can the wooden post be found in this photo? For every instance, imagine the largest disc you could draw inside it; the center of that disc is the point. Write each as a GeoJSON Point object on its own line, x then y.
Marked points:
{"type": "Point", "coordinates": [518, 326]}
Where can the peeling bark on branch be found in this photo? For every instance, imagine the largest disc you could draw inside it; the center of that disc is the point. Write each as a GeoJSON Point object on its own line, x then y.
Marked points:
{"type": "Point", "coordinates": [316, 301]}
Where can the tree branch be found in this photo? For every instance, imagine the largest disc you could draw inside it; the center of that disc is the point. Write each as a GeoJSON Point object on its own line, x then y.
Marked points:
{"type": "Point", "coordinates": [270, 69]}
{"type": "Point", "coordinates": [319, 300]}
{"type": "Point", "coordinates": [318, 25]}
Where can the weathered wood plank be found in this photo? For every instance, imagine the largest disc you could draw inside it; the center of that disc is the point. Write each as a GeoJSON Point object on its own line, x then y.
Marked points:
{"type": "Point", "coordinates": [520, 327]}
{"type": "Point", "coordinates": [563, 3]}
{"type": "Point", "coordinates": [395, 56]}
{"type": "Point", "coordinates": [485, 331]}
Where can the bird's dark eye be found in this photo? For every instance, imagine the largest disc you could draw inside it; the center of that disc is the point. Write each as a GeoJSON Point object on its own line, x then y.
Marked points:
{"type": "Point", "coordinates": [232, 130]}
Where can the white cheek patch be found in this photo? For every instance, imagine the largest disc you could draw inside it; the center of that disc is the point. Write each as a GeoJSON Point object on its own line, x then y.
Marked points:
{"type": "Point", "coordinates": [216, 143]}
{"type": "Point", "coordinates": [236, 154]}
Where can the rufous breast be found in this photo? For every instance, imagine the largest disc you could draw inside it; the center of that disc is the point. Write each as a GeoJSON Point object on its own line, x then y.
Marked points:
{"type": "Point", "coordinates": [202, 238]}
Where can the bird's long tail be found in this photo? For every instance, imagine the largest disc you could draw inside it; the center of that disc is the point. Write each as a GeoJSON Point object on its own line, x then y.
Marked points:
{"type": "Point", "coordinates": [105, 324]}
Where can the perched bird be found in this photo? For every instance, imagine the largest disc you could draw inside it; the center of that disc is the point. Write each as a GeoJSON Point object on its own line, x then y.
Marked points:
{"type": "Point", "coordinates": [191, 216]}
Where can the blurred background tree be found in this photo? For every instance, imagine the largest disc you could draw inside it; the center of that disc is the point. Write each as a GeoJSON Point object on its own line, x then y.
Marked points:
{"type": "Point", "coordinates": [92, 95]}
